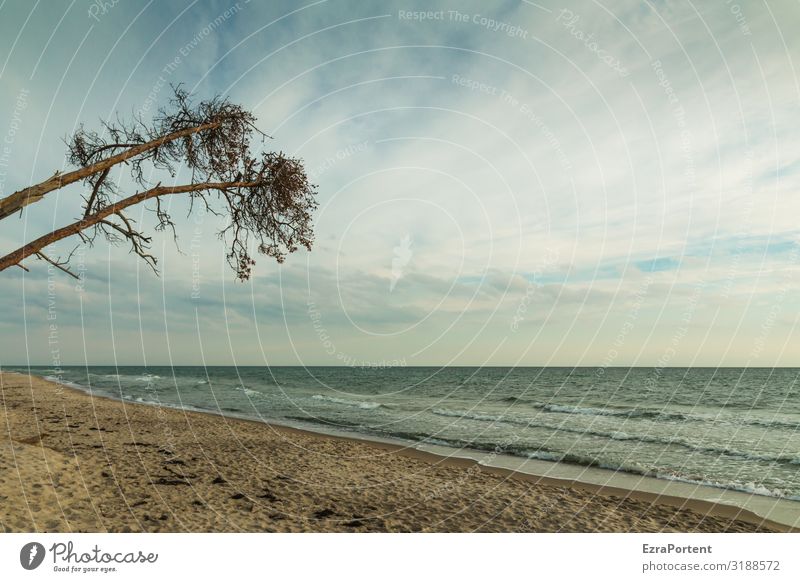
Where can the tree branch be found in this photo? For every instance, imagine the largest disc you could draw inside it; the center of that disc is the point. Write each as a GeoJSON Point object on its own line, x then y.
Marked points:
{"type": "Point", "coordinates": [18, 200]}
{"type": "Point", "coordinates": [95, 190]}
{"type": "Point", "coordinates": [57, 265]}
{"type": "Point", "coordinates": [266, 196]}
{"type": "Point", "coordinates": [42, 242]}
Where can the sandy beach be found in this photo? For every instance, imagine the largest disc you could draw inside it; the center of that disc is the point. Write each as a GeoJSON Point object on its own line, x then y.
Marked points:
{"type": "Point", "coordinates": [73, 462]}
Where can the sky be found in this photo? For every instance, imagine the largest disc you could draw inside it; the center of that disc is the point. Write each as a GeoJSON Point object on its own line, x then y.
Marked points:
{"type": "Point", "coordinates": [519, 183]}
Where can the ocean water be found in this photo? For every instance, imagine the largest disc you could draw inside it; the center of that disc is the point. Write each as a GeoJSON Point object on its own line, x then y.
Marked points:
{"type": "Point", "coordinates": [735, 429]}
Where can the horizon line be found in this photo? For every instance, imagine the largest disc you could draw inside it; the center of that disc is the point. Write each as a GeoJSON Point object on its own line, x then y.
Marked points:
{"type": "Point", "coordinates": [394, 367]}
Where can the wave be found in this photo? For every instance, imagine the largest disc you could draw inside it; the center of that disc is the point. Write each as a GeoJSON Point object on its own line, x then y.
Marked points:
{"type": "Point", "coordinates": [249, 392]}
{"type": "Point", "coordinates": [127, 377]}
{"type": "Point", "coordinates": [340, 424]}
{"type": "Point", "coordinates": [773, 423]}
{"type": "Point", "coordinates": [634, 413]}
{"type": "Point", "coordinates": [749, 487]}
{"type": "Point", "coordinates": [542, 453]}
{"type": "Point", "coordinates": [60, 380]}
{"type": "Point", "coordinates": [530, 451]}
{"type": "Point", "coordinates": [792, 459]}
{"type": "Point", "coordinates": [647, 413]}
{"type": "Point", "coordinates": [363, 404]}
{"type": "Point", "coordinates": [478, 416]}
{"type": "Point", "coordinates": [605, 411]}
{"type": "Point", "coordinates": [546, 454]}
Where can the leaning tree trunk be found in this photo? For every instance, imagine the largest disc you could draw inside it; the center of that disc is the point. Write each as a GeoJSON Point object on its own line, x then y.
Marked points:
{"type": "Point", "coordinates": [20, 199]}
{"type": "Point", "coordinates": [35, 247]}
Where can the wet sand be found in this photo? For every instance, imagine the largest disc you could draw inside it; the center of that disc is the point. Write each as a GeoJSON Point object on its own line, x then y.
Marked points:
{"type": "Point", "coordinates": [73, 462]}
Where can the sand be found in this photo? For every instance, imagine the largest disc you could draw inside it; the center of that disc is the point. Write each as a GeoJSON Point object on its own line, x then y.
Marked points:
{"type": "Point", "coordinates": [70, 462]}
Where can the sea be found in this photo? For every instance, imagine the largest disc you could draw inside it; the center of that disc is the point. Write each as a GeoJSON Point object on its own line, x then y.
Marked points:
{"type": "Point", "coordinates": [727, 428]}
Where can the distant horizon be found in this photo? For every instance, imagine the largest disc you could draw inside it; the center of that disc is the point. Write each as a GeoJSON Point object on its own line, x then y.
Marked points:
{"type": "Point", "coordinates": [398, 367]}
{"type": "Point", "coordinates": [508, 185]}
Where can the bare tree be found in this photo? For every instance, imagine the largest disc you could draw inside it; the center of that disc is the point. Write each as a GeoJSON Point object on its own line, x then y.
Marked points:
{"type": "Point", "coordinates": [266, 196]}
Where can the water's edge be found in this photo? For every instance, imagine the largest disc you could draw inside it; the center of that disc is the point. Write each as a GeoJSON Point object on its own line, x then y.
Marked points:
{"type": "Point", "coordinates": [778, 513]}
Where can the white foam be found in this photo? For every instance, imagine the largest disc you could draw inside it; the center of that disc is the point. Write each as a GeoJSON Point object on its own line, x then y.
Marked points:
{"type": "Point", "coordinates": [366, 405]}
{"type": "Point", "coordinates": [148, 377]}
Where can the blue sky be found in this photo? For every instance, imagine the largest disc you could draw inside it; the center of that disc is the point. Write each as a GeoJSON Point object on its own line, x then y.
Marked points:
{"type": "Point", "coordinates": [526, 183]}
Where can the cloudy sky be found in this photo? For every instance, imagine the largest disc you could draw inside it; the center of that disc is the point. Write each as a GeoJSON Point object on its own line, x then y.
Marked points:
{"type": "Point", "coordinates": [537, 183]}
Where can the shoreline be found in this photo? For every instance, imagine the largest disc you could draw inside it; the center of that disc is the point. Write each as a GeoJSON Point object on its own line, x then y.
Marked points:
{"type": "Point", "coordinates": [424, 466]}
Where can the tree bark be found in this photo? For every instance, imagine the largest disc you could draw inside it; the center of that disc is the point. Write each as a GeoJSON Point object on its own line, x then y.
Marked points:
{"type": "Point", "coordinates": [20, 199]}
{"type": "Point", "coordinates": [32, 248]}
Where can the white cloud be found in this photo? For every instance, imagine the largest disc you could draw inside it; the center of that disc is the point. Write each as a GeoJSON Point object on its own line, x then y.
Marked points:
{"type": "Point", "coordinates": [553, 164]}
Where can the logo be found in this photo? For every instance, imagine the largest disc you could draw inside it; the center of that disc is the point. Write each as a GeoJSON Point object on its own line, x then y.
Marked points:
{"type": "Point", "coordinates": [31, 555]}
{"type": "Point", "coordinates": [402, 256]}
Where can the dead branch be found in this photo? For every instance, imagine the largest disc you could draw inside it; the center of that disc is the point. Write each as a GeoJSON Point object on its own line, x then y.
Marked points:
{"type": "Point", "coordinates": [267, 197]}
